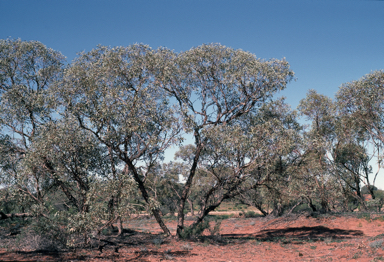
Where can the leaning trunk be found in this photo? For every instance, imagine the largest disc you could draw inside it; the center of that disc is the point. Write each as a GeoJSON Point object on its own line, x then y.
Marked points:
{"type": "Point", "coordinates": [144, 193]}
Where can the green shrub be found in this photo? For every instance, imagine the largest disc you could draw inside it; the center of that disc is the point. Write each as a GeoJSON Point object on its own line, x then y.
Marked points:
{"type": "Point", "coordinates": [190, 233]}
{"type": "Point", "coordinates": [381, 218]}
{"type": "Point", "coordinates": [219, 217]}
{"type": "Point", "coordinates": [380, 236]}
{"type": "Point", "coordinates": [365, 216]}
{"type": "Point", "coordinates": [251, 214]}
{"type": "Point", "coordinates": [195, 232]}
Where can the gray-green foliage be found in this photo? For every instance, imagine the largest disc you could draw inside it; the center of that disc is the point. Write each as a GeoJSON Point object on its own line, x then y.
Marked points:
{"type": "Point", "coordinates": [122, 96]}
{"type": "Point", "coordinates": [361, 104]}
{"type": "Point", "coordinates": [276, 148]}
{"type": "Point", "coordinates": [362, 101]}
{"type": "Point", "coordinates": [253, 153]}
{"type": "Point", "coordinates": [26, 71]}
{"type": "Point", "coordinates": [80, 141]}
{"type": "Point", "coordinates": [319, 141]}
{"type": "Point", "coordinates": [113, 95]}
{"type": "Point", "coordinates": [50, 166]}
{"type": "Point", "coordinates": [214, 85]}
{"type": "Point", "coordinates": [337, 156]}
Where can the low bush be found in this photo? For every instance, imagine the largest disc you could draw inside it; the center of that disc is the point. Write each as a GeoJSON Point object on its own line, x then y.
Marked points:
{"type": "Point", "coordinates": [197, 231]}
{"type": "Point", "coordinates": [251, 214]}
{"type": "Point", "coordinates": [376, 244]}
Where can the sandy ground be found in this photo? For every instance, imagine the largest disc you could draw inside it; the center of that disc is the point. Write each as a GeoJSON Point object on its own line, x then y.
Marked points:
{"type": "Point", "coordinates": [292, 238]}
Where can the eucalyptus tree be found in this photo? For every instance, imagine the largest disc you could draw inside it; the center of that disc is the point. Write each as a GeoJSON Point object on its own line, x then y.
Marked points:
{"type": "Point", "coordinates": [361, 106]}
{"type": "Point", "coordinates": [335, 150]}
{"type": "Point", "coordinates": [254, 151]}
{"type": "Point", "coordinates": [320, 110]}
{"type": "Point", "coordinates": [213, 85]}
{"type": "Point", "coordinates": [243, 156]}
{"type": "Point", "coordinates": [112, 94]}
{"type": "Point", "coordinates": [27, 69]}
{"type": "Point", "coordinates": [44, 155]}
{"type": "Point", "coordinates": [276, 166]}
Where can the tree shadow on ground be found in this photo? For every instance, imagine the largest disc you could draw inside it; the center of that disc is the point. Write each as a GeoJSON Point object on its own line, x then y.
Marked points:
{"type": "Point", "coordinates": [164, 255]}
{"type": "Point", "coordinates": [291, 234]}
{"type": "Point", "coordinates": [110, 252]}
{"type": "Point", "coordinates": [37, 255]}
{"type": "Point", "coordinates": [106, 246]}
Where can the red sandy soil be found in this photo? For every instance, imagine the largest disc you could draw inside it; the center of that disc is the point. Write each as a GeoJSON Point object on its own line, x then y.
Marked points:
{"type": "Point", "coordinates": [292, 238]}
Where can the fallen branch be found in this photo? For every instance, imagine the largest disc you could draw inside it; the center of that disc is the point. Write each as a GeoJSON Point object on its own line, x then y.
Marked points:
{"type": "Point", "coordinates": [6, 216]}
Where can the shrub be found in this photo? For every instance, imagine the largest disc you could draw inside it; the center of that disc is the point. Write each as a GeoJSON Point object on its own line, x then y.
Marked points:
{"type": "Point", "coordinates": [365, 216]}
{"type": "Point", "coordinates": [195, 232]}
{"type": "Point", "coordinates": [41, 235]}
{"type": "Point", "coordinates": [376, 244]}
{"type": "Point", "coordinates": [190, 233]}
{"type": "Point", "coordinates": [186, 247]}
{"type": "Point", "coordinates": [251, 214]}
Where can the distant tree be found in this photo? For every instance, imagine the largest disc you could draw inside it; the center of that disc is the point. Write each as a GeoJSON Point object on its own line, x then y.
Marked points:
{"type": "Point", "coordinates": [361, 104]}
{"type": "Point", "coordinates": [275, 174]}
{"type": "Point", "coordinates": [365, 190]}
{"type": "Point", "coordinates": [163, 182]}
{"type": "Point", "coordinates": [338, 151]}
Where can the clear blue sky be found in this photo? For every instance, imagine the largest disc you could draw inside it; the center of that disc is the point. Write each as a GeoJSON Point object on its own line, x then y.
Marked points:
{"type": "Point", "coordinates": [327, 43]}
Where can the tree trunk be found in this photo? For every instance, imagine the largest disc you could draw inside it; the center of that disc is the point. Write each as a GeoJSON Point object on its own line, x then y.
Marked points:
{"type": "Point", "coordinates": [360, 199]}
{"type": "Point", "coordinates": [260, 208]}
{"type": "Point", "coordinates": [277, 210]}
{"type": "Point", "coordinates": [119, 223]}
{"type": "Point", "coordinates": [187, 187]}
{"type": "Point", "coordinates": [310, 204]}
{"type": "Point", "coordinates": [204, 213]}
{"type": "Point", "coordinates": [144, 193]}
{"type": "Point", "coordinates": [191, 207]}
{"type": "Point", "coordinates": [371, 192]}
{"type": "Point", "coordinates": [324, 206]}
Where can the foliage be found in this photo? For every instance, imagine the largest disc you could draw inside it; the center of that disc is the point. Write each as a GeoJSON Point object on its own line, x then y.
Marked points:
{"type": "Point", "coordinates": [361, 105]}
{"type": "Point", "coordinates": [49, 165]}
{"type": "Point", "coordinates": [193, 232]}
{"type": "Point", "coordinates": [112, 95]}
{"type": "Point", "coordinates": [365, 190]}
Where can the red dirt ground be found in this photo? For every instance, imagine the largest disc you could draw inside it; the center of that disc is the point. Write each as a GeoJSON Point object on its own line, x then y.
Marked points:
{"type": "Point", "coordinates": [292, 238]}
